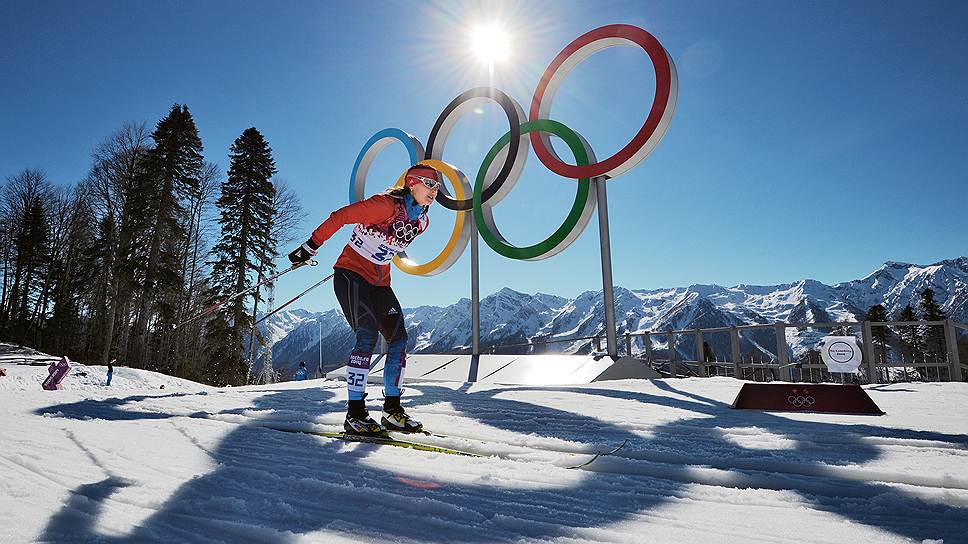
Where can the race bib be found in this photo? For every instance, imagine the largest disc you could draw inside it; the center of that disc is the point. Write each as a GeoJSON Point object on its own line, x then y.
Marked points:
{"type": "Point", "coordinates": [373, 246]}
{"type": "Point", "coordinates": [379, 243]}
{"type": "Point", "coordinates": [357, 371]}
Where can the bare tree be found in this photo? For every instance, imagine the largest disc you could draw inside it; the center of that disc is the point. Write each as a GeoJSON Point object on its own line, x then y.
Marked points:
{"type": "Point", "coordinates": [289, 214]}
{"type": "Point", "coordinates": [69, 224]}
{"type": "Point", "coordinates": [188, 341]}
{"type": "Point", "coordinates": [6, 242]}
{"type": "Point", "coordinates": [117, 163]}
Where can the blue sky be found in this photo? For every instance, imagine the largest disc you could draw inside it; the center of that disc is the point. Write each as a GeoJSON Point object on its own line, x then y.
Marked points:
{"type": "Point", "coordinates": [811, 140]}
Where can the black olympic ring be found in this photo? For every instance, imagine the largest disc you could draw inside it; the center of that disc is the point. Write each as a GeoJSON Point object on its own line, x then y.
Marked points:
{"type": "Point", "coordinates": [513, 161]}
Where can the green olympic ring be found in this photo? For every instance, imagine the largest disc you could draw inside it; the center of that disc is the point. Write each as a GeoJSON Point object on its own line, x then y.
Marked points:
{"type": "Point", "coordinates": [573, 225]}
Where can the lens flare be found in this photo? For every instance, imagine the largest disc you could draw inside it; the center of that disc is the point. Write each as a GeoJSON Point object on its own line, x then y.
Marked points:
{"type": "Point", "coordinates": [490, 43]}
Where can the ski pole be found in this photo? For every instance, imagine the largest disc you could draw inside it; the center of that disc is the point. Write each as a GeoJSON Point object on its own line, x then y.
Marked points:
{"type": "Point", "coordinates": [295, 298]}
{"type": "Point", "coordinates": [211, 309]}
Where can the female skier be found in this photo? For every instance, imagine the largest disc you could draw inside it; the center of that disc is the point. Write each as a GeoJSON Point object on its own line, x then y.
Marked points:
{"type": "Point", "coordinates": [386, 223]}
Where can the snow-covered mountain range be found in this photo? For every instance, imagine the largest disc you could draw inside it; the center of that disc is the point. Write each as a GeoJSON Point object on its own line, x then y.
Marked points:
{"type": "Point", "coordinates": [510, 317]}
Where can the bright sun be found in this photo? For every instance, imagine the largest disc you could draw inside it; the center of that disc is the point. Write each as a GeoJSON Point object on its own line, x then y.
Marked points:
{"type": "Point", "coordinates": [490, 43]}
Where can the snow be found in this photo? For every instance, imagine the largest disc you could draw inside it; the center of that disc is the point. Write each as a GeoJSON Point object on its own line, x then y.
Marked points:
{"type": "Point", "coordinates": [189, 463]}
{"type": "Point", "coordinates": [23, 377]}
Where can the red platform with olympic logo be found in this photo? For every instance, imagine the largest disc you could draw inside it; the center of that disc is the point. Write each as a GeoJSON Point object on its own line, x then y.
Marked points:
{"type": "Point", "coordinates": [798, 397]}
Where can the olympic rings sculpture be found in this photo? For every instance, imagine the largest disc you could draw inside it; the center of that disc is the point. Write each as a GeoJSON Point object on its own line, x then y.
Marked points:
{"type": "Point", "coordinates": [504, 162]}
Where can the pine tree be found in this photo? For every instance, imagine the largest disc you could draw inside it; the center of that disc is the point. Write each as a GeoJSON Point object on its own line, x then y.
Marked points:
{"type": "Point", "coordinates": [25, 214]}
{"type": "Point", "coordinates": [171, 174]}
{"type": "Point", "coordinates": [708, 355]}
{"type": "Point", "coordinates": [68, 287]}
{"type": "Point", "coordinates": [933, 335]}
{"type": "Point", "coordinates": [842, 330]}
{"type": "Point", "coordinates": [910, 334]}
{"type": "Point", "coordinates": [34, 246]}
{"type": "Point", "coordinates": [245, 251]}
{"type": "Point", "coordinates": [878, 313]}
{"type": "Point", "coordinates": [190, 338]}
{"type": "Point", "coordinates": [221, 351]}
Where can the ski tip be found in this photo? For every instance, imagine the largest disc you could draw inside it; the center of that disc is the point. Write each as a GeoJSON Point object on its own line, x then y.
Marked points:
{"type": "Point", "coordinates": [620, 446]}
{"type": "Point", "coordinates": [599, 454]}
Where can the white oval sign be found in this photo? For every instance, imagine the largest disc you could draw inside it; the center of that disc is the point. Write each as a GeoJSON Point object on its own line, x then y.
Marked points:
{"type": "Point", "coordinates": [840, 353]}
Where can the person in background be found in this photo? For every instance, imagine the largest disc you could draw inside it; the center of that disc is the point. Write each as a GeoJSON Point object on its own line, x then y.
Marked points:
{"type": "Point", "coordinates": [301, 372]}
{"type": "Point", "coordinates": [110, 372]}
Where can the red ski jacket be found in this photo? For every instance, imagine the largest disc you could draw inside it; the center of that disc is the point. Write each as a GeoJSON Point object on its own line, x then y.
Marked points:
{"type": "Point", "coordinates": [383, 229]}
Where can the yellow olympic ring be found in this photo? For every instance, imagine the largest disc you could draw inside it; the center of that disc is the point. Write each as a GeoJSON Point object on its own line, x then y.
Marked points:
{"type": "Point", "coordinates": [462, 225]}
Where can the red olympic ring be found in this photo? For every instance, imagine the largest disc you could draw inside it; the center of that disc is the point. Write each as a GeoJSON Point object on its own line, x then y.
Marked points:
{"type": "Point", "coordinates": [663, 105]}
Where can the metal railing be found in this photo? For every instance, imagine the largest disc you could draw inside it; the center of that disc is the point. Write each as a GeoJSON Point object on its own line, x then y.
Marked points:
{"type": "Point", "coordinates": [761, 352]}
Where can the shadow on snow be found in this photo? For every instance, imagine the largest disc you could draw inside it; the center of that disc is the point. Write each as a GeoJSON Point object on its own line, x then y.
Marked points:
{"type": "Point", "coordinates": [261, 474]}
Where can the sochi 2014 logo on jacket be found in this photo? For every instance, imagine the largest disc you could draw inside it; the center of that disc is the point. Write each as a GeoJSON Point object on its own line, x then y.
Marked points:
{"type": "Point", "coordinates": [380, 243]}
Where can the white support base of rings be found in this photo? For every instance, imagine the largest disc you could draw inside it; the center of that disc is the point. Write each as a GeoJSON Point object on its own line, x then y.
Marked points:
{"type": "Point", "coordinates": [513, 369]}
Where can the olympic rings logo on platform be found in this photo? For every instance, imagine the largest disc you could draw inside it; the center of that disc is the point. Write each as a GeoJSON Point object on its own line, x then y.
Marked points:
{"type": "Point", "coordinates": [504, 162]}
{"type": "Point", "coordinates": [800, 401]}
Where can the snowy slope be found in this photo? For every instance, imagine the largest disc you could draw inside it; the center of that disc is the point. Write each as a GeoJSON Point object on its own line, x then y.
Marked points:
{"type": "Point", "coordinates": [301, 344]}
{"type": "Point", "coordinates": [26, 370]}
{"type": "Point", "coordinates": [93, 464]}
{"type": "Point", "coordinates": [283, 322]}
{"type": "Point", "coordinates": [897, 284]}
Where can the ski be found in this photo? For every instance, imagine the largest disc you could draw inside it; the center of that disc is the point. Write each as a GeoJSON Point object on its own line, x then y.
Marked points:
{"type": "Point", "coordinates": [382, 441]}
{"type": "Point", "coordinates": [402, 440]}
{"type": "Point", "coordinates": [584, 464]}
{"type": "Point", "coordinates": [594, 457]}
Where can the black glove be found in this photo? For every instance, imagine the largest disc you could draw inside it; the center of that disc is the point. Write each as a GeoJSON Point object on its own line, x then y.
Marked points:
{"type": "Point", "coordinates": [303, 253]}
